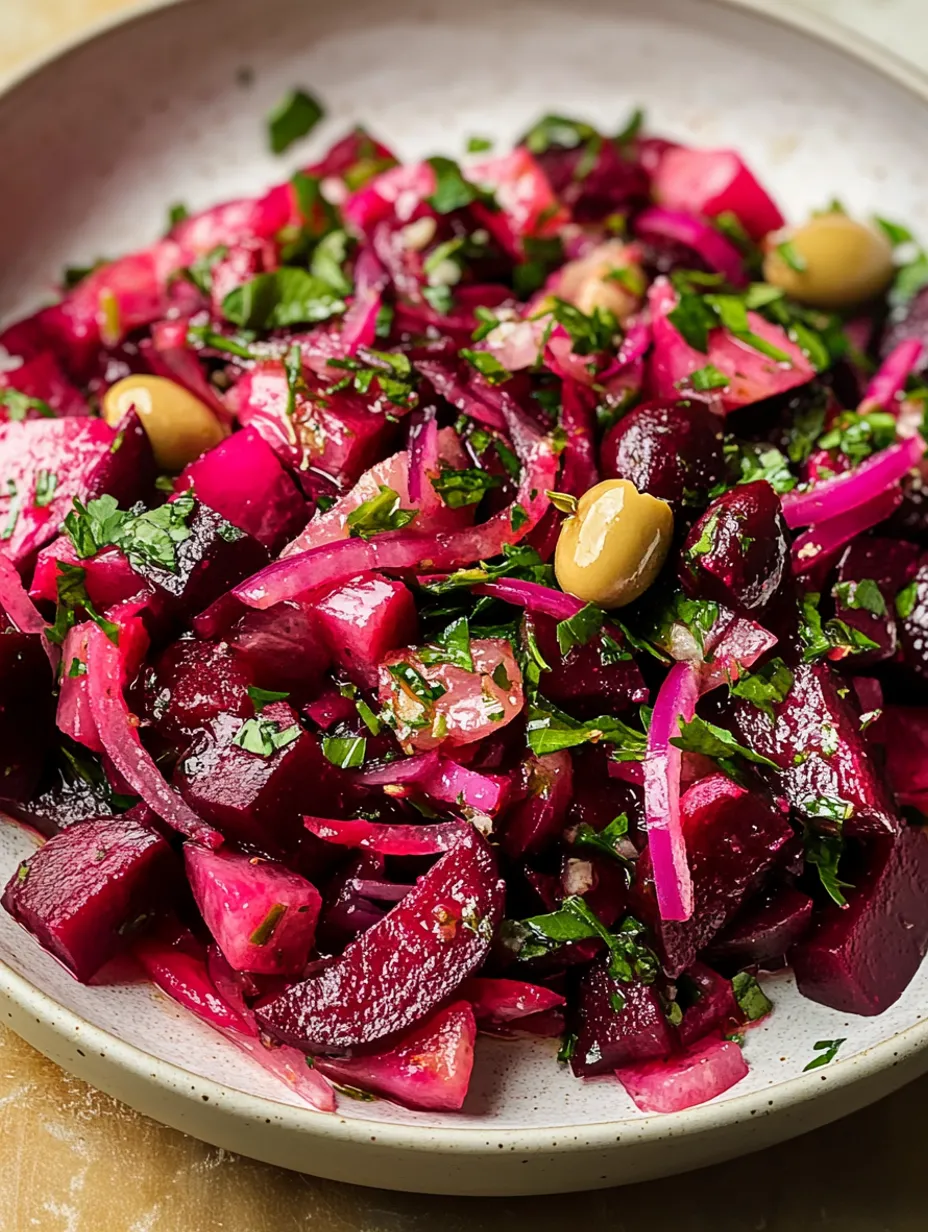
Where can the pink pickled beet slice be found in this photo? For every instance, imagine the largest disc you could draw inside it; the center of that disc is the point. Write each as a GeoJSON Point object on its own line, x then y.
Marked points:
{"type": "Point", "coordinates": [508, 1000]}
{"type": "Point", "coordinates": [732, 837]}
{"type": "Point", "coordinates": [429, 1067]}
{"type": "Point", "coordinates": [441, 704]}
{"type": "Point", "coordinates": [403, 966]}
{"type": "Point", "coordinates": [262, 915]}
{"type": "Point", "coordinates": [751, 375]}
{"type": "Point", "coordinates": [618, 1024]}
{"type": "Point", "coordinates": [705, 1070]}
{"type": "Point", "coordinates": [18, 606]}
{"type": "Point", "coordinates": [117, 726]}
{"type": "Point", "coordinates": [81, 893]}
{"type": "Point", "coordinates": [41, 378]}
{"type": "Point", "coordinates": [361, 622]}
{"type": "Point", "coordinates": [243, 481]}
{"type": "Point", "coordinates": [388, 840]}
{"type": "Point", "coordinates": [714, 182]}
{"type": "Point", "coordinates": [861, 958]}
{"type": "Point", "coordinates": [538, 820]}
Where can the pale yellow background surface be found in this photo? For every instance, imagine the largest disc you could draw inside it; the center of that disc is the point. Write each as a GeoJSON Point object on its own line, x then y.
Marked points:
{"type": "Point", "coordinates": [72, 1160]}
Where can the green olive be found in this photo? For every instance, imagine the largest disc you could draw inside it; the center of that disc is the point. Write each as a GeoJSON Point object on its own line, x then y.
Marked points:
{"type": "Point", "coordinates": [843, 262]}
{"type": "Point", "coordinates": [612, 547]}
{"type": "Point", "coordinates": [179, 426]}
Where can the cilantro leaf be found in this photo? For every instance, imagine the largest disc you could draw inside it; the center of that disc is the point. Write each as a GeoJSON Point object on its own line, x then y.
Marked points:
{"type": "Point", "coordinates": [700, 736]}
{"type": "Point", "coordinates": [458, 488]}
{"type": "Point", "coordinates": [380, 513]}
{"type": "Point", "coordinates": [579, 629]}
{"type": "Point", "coordinates": [295, 116]}
{"type": "Point", "coordinates": [828, 1050]}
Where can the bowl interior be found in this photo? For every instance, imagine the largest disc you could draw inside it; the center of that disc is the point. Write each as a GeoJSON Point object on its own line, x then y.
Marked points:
{"type": "Point", "coordinates": [171, 108]}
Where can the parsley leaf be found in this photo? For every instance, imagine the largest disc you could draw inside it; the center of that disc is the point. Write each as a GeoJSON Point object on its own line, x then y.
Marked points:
{"type": "Point", "coordinates": [452, 646]}
{"type": "Point", "coordinates": [791, 257]}
{"type": "Point", "coordinates": [828, 1050]}
{"type": "Point", "coordinates": [752, 1000]}
{"type": "Point", "coordinates": [346, 752]}
{"type": "Point", "coordinates": [263, 697]}
{"type": "Point", "coordinates": [708, 377]}
{"type": "Point", "coordinates": [72, 596]}
{"type": "Point", "coordinates": [479, 145]}
{"type": "Point", "coordinates": [606, 840]}
{"type": "Point", "coordinates": [464, 487]}
{"type": "Point", "coordinates": [692, 319]}
{"type": "Point", "coordinates": [487, 365]}
{"type": "Point", "coordinates": [452, 191]}
{"type": "Point", "coordinates": [906, 600]}
{"type": "Point", "coordinates": [288, 296]}
{"type": "Point", "coordinates": [589, 333]}
{"type": "Point", "coordinates": [295, 116]}
{"type": "Point", "coordinates": [752, 460]}
{"type": "Point", "coordinates": [700, 736]}
{"type": "Point", "coordinates": [629, 959]}
{"type": "Point", "coordinates": [264, 736]}
{"type": "Point", "coordinates": [380, 513]}
{"type": "Point", "coordinates": [550, 730]}
{"type": "Point", "coordinates": [833, 638]}
{"type": "Point", "coordinates": [864, 595]}
{"type": "Point", "coordinates": [765, 686]}
{"type": "Point", "coordinates": [147, 537]}
{"type": "Point", "coordinates": [858, 436]}
{"type": "Point", "coordinates": [580, 629]}
{"type": "Point", "coordinates": [18, 405]}
{"type": "Point", "coordinates": [557, 132]}
{"type": "Point", "coordinates": [45, 484]}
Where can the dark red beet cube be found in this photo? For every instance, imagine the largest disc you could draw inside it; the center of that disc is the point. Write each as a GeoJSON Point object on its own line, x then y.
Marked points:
{"type": "Point", "coordinates": [732, 837]}
{"type": "Point", "coordinates": [193, 683]}
{"type": "Point", "coordinates": [27, 713]}
{"type": "Point", "coordinates": [738, 552]}
{"type": "Point", "coordinates": [670, 450]}
{"type": "Point", "coordinates": [589, 680]}
{"type": "Point", "coordinates": [81, 893]}
{"type": "Point", "coordinates": [765, 930]}
{"type": "Point", "coordinates": [254, 798]}
{"type": "Point", "coordinates": [711, 1004]}
{"type": "Point", "coordinates": [860, 959]}
{"type": "Point", "coordinates": [363, 621]}
{"type": "Point", "coordinates": [913, 626]}
{"type": "Point", "coordinates": [127, 469]}
{"type": "Point", "coordinates": [538, 819]}
{"type": "Point", "coordinates": [618, 1024]}
{"type": "Point", "coordinates": [815, 740]}
{"type": "Point", "coordinates": [890, 564]}
{"type": "Point", "coordinates": [282, 646]}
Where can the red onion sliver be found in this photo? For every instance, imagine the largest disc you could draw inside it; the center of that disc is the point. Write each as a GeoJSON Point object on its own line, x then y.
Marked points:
{"type": "Point", "coordinates": [414, 769]}
{"type": "Point", "coordinates": [889, 379]}
{"type": "Point", "coordinates": [683, 228]}
{"type": "Point", "coordinates": [15, 601]}
{"type": "Point", "coordinates": [826, 500]}
{"type": "Point", "coordinates": [827, 537]}
{"type": "Point", "coordinates": [676, 700]}
{"type": "Point", "coordinates": [388, 840]}
{"type": "Point", "coordinates": [423, 457]}
{"type": "Point", "coordinates": [533, 596]}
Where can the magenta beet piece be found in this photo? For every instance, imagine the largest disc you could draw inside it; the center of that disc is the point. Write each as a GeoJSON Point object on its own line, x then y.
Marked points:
{"type": "Point", "coordinates": [913, 621]}
{"type": "Point", "coordinates": [714, 182]}
{"type": "Point", "coordinates": [428, 1067]}
{"type": "Point", "coordinates": [244, 482]}
{"type": "Point", "coordinates": [253, 797]}
{"type": "Point", "coordinates": [281, 645]}
{"type": "Point", "coordinates": [45, 463]}
{"type": "Point", "coordinates": [738, 552]}
{"type": "Point", "coordinates": [610, 1033]}
{"type": "Point", "coordinates": [27, 713]}
{"type": "Point", "coordinates": [821, 755]}
{"type": "Point", "coordinates": [508, 1000]}
{"type": "Point", "coordinates": [403, 966]}
{"type": "Point", "coordinates": [346, 911]}
{"type": "Point", "coordinates": [593, 192]}
{"type": "Point", "coordinates": [904, 733]}
{"type": "Point", "coordinates": [73, 716]}
{"type": "Point", "coordinates": [193, 683]}
{"type": "Point", "coordinates": [41, 378]}
{"type": "Point", "coordinates": [126, 470]}
{"type": "Point", "coordinates": [363, 621]}
{"type": "Point", "coordinates": [706, 1069]}
{"type": "Point", "coordinates": [670, 450]}
{"type": "Point", "coordinates": [537, 821]}
{"type": "Point", "coordinates": [210, 561]}
{"type": "Point", "coordinates": [108, 576]}
{"type": "Point", "coordinates": [712, 1005]}
{"type": "Point", "coordinates": [889, 564]}
{"type": "Point", "coordinates": [732, 837]}
{"type": "Point", "coordinates": [82, 892]}
{"type": "Point", "coordinates": [764, 931]}
{"type": "Point", "coordinates": [589, 680]}
{"type": "Point", "coordinates": [262, 915]}
{"type": "Point", "coordinates": [860, 959]}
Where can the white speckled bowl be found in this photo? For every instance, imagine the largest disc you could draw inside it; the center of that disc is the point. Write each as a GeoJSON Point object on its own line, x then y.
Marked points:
{"type": "Point", "coordinates": [97, 142]}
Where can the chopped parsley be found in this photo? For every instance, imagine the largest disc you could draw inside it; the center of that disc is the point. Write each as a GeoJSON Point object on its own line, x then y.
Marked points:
{"type": "Point", "coordinates": [605, 841]}
{"type": "Point", "coordinates": [265, 737]}
{"type": "Point", "coordinates": [264, 697]}
{"type": "Point", "coordinates": [452, 190]}
{"type": "Point", "coordinates": [752, 1000]}
{"type": "Point", "coordinates": [764, 687]}
{"type": "Point", "coordinates": [487, 365]}
{"type": "Point", "coordinates": [415, 683]}
{"type": "Point", "coordinates": [579, 629]}
{"type": "Point", "coordinates": [906, 600]}
{"type": "Point", "coordinates": [380, 513]}
{"type": "Point", "coordinates": [863, 595]}
{"type": "Point", "coordinates": [346, 752]}
{"type": "Point", "coordinates": [458, 488]}
{"type": "Point", "coordinates": [557, 132]}
{"type": "Point", "coordinates": [479, 145]}
{"type": "Point", "coordinates": [834, 639]}
{"type": "Point", "coordinates": [790, 257]}
{"type": "Point", "coordinates": [752, 460]}
{"type": "Point", "coordinates": [700, 736]}
{"type": "Point", "coordinates": [18, 405]}
{"type": "Point", "coordinates": [287, 296]}
{"type": "Point", "coordinates": [858, 436]}
{"type": "Point", "coordinates": [148, 537]}
{"type": "Point", "coordinates": [45, 484]}
{"type": "Point", "coordinates": [392, 371]}
{"type": "Point", "coordinates": [706, 378]}
{"type": "Point", "coordinates": [549, 730]}
{"type": "Point", "coordinates": [827, 1050]}
{"type": "Point", "coordinates": [295, 116]}
{"type": "Point", "coordinates": [452, 645]}
{"type": "Point", "coordinates": [73, 597]}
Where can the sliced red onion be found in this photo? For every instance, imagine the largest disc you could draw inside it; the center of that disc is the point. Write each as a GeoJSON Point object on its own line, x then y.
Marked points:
{"type": "Point", "coordinates": [459, 393]}
{"type": "Point", "coordinates": [423, 457]}
{"type": "Point", "coordinates": [676, 700]}
{"type": "Point", "coordinates": [683, 228]}
{"type": "Point", "coordinates": [388, 840]}
{"type": "Point", "coordinates": [15, 601]}
{"type": "Point", "coordinates": [832, 497]}
{"type": "Point", "coordinates": [889, 379]}
{"type": "Point", "coordinates": [825, 538]}
{"type": "Point", "coordinates": [118, 730]}
{"type": "Point", "coordinates": [360, 321]}
{"type": "Point", "coordinates": [455, 784]}
{"type": "Point", "coordinates": [416, 769]}
{"type": "Point", "coordinates": [533, 596]}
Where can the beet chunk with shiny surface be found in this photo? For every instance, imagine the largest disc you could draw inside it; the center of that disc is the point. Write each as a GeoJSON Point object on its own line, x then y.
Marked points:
{"type": "Point", "coordinates": [765, 930]}
{"type": "Point", "coordinates": [403, 966]}
{"type": "Point", "coordinates": [738, 551]}
{"type": "Point", "coordinates": [871, 574]}
{"type": "Point", "coordinates": [860, 959]}
{"type": "Point", "coordinates": [192, 684]}
{"type": "Point", "coordinates": [732, 837]}
{"type": "Point", "coordinates": [588, 680]}
{"type": "Point", "coordinates": [824, 764]}
{"type": "Point", "coordinates": [912, 609]}
{"type": "Point", "coordinates": [669, 450]}
{"type": "Point", "coordinates": [618, 1024]}
{"type": "Point", "coordinates": [27, 713]}
{"type": "Point", "coordinates": [82, 892]}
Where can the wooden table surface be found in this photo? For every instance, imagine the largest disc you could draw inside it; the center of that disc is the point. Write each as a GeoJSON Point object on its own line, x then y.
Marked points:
{"type": "Point", "coordinates": [73, 1160]}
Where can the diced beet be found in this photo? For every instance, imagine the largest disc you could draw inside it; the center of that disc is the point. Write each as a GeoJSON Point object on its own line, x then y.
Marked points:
{"type": "Point", "coordinates": [904, 734]}
{"type": "Point", "coordinates": [712, 1005]}
{"type": "Point", "coordinates": [192, 684]}
{"type": "Point", "coordinates": [262, 915]}
{"type": "Point", "coordinates": [587, 681]}
{"type": "Point", "coordinates": [73, 715]}
{"type": "Point", "coordinates": [592, 193]}
{"type": "Point", "coordinates": [609, 1036]}
{"type": "Point", "coordinates": [602, 880]}
{"type": "Point", "coordinates": [508, 1000]}
{"type": "Point", "coordinates": [41, 377]}
{"type": "Point", "coordinates": [891, 564]}
{"type": "Point", "coordinates": [108, 576]}
{"type": "Point", "coordinates": [707, 1069]}
{"type": "Point", "coordinates": [27, 713]}
{"type": "Point", "coordinates": [281, 644]}
{"type": "Point", "coordinates": [815, 740]}
{"type": "Point", "coordinates": [469, 705]}
{"type": "Point", "coordinates": [210, 561]}
{"type": "Point", "coordinates": [339, 434]}
{"type": "Point", "coordinates": [428, 1067]}
{"type": "Point", "coordinates": [670, 450]}
{"type": "Point", "coordinates": [403, 966]}
{"type": "Point", "coordinates": [363, 621]}
{"type": "Point", "coordinates": [60, 455]}
{"type": "Point", "coordinates": [732, 837]}
{"type": "Point", "coordinates": [765, 930]}
{"type": "Point", "coordinates": [913, 627]}
{"type": "Point", "coordinates": [251, 798]}
{"type": "Point", "coordinates": [126, 470]}
{"type": "Point", "coordinates": [346, 912]}
{"type": "Point", "coordinates": [860, 959]}
{"type": "Point", "coordinates": [537, 821]}
{"type": "Point", "coordinates": [243, 481]}
{"type": "Point", "coordinates": [714, 182]}
{"type": "Point", "coordinates": [82, 893]}
{"type": "Point", "coordinates": [738, 552]}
